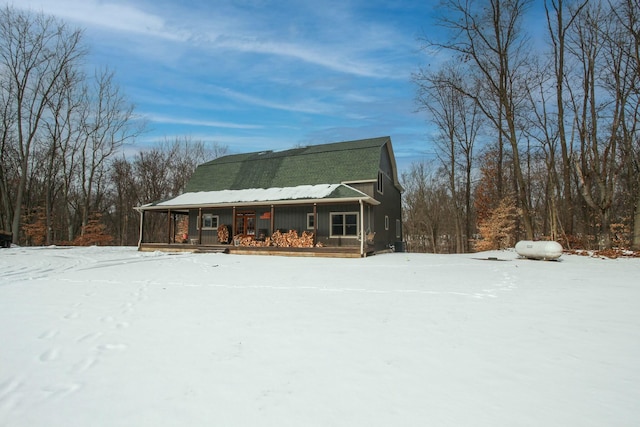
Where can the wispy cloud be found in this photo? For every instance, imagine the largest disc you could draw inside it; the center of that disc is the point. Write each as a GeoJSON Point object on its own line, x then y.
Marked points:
{"type": "Point", "coordinates": [333, 57]}
{"type": "Point", "coordinates": [240, 33]}
{"type": "Point", "coordinates": [308, 106]}
{"type": "Point", "coordinates": [107, 15]}
{"type": "Point", "coordinates": [157, 118]}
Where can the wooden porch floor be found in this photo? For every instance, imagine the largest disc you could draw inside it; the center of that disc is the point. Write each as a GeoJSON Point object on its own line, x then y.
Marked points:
{"type": "Point", "coordinates": [327, 252]}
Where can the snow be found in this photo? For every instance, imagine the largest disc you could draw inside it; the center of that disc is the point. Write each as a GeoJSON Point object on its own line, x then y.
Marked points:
{"type": "Point", "coordinates": [318, 191]}
{"type": "Point", "coordinates": [115, 337]}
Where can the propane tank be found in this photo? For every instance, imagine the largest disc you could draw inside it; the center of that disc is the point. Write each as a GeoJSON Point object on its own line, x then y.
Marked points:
{"type": "Point", "coordinates": [545, 250]}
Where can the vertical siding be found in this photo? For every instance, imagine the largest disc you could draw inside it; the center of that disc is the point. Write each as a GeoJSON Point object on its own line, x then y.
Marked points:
{"type": "Point", "coordinates": [209, 237]}
{"type": "Point", "coordinates": [390, 205]}
{"type": "Point", "coordinates": [289, 218]}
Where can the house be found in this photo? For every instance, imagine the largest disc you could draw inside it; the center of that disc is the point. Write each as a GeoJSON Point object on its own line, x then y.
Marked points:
{"type": "Point", "coordinates": [344, 197]}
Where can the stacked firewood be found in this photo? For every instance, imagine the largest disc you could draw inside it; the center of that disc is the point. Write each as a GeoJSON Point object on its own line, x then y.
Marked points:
{"type": "Point", "coordinates": [241, 240]}
{"type": "Point", "coordinates": [223, 234]}
{"type": "Point", "coordinates": [290, 239]}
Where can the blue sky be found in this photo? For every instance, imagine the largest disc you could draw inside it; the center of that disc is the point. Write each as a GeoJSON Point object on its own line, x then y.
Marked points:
{"type": "Point", "coordinates": [257, 75]}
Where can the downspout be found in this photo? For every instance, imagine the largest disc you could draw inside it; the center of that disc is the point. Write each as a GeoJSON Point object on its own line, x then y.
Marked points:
{"type": "Point", "coordinates": [361, 228]}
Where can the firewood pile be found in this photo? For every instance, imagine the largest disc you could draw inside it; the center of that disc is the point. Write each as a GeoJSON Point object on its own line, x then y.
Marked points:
{"type": "Point", "coordinates": [241, 240]}
{"type": "Point", "coordinates": [290, 239]}
{"type": "Point", "coordinates": [223, 234]}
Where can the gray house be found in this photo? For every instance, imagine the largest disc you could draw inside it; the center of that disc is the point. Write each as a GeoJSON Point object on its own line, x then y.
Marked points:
{"type": "Point", "coordinates": [344, 197]}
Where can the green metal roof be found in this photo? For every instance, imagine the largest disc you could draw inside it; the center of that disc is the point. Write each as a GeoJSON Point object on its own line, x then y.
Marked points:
{"type": "Point", "coordinates": [335, 163]}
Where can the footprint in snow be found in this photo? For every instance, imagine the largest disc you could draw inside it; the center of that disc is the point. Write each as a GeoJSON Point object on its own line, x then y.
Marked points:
{"type": "Point", "coordinates": [61, 390]}
{"type": "Point", "coordinates": [84, 365]}
{"type": "Point", "coordinates": [110, 347]}
{"type": "Point", "coordinates": [89, 337]}
{"type": "Point", "coordinates": [48, 334]}
{"type": "Point", "coordinates": [49, 355]}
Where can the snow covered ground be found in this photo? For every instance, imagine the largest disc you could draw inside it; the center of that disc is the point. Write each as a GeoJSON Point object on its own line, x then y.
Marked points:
{"type": "Point", "coordinates": [113, 337]}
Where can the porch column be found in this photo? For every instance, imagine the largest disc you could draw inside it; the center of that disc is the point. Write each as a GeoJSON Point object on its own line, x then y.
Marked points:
{"type": "Point", "coordinates": [315, 224]}
{"type": "Point", "coordinates": [362, 237]}
{"type": "Point", "coordinates": [273, 219]}
{"type": "Point", "coordinates": [141, 229]}
{"type": "Point", "coordinates": [169, 226]}
{"type": "Point", "coordinates": [233, 224]}
{"type": "Point", "coordinates": [199, 226]}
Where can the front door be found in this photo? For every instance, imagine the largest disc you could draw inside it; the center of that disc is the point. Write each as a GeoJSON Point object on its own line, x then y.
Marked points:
{"type": "Point", "coordinates": [246, 223]}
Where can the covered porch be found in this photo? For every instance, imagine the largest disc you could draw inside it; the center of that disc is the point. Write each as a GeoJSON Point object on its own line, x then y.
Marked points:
{"type": "Point", "coordinates": [335, 223]}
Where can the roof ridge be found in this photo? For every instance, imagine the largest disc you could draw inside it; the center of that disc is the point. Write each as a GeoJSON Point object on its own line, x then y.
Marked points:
{"type": "Point", "coordinates": [300, 151]}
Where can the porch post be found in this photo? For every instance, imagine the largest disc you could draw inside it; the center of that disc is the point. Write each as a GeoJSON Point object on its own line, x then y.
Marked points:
{"type": "Point", "coordinates": [169, 226]}
{"type": "Point", "coordinates": [141, 228]}
{"type": "Point", "coordinates": [233, 224]}
{"type": "Point", "coordinates": [361, 228]}
{"type": "Point", "coordinates": [315, 224]}
{"type": "Point", "coordinates": [199, 226]}
{"type": "Point", "coordinates": [273, 219]}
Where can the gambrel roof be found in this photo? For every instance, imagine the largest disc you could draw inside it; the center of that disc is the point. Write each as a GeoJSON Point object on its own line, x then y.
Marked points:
{"type": "Point", "coordinates": [336, 163]}
{"type": "Point", "coordinates": [314, 173]}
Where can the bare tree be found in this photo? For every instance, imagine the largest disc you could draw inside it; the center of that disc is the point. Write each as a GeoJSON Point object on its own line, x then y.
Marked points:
{"type": "Point", "coordinates": [626, 16]}
{"type": "Point", "coordinates": [600, 103]}
{"type": "Point", "coordinates": [35, 51]}
{"type": "Point", "coordinates": [561, 16]}
{"type": "Point", "coordinates": [487, 36]}
{"type": "Point", "coordinates": [106, 123]}
{"type": "Point", "coordinates": [60, 144]}
{"type": "Point", "coordinates": [426, 209]}
{"type": "Point", "coordinates": [457, 118]}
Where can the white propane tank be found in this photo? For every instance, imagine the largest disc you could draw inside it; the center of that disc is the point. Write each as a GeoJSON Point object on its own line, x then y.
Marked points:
{"type": "Point", "coordinates": [539, 250]}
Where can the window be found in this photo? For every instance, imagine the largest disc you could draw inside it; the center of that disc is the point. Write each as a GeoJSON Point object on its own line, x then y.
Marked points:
{"type": "Point", "coordinates": [386, 222]}
{"type": "Point", "coordinates": [344, 224]}
{"type": "Point", "coordinates": [398, 229]}
{"type": "Point", "coordinates": [209, 221]}
{"type": "Point", "coordinates": [311, 221]}
{"type": "Point", "coordinates": [380, 182]}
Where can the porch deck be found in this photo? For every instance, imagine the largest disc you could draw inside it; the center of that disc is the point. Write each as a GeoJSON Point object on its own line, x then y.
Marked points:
{"type": "Point", "coordinates": [327, 252]}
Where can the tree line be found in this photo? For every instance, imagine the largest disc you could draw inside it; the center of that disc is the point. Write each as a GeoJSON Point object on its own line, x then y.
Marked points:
{"type": "Point", "coordinates": [64, 177]}
{"type": "Point", "coordinates": [536, 133]}
{"type": "Point", "coordinates": [536, 127]}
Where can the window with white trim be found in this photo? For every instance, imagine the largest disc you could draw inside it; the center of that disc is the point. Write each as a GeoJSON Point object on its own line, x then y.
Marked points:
{"type": "Point", "coordinates": [311, 218]}
{"type": "Point", "coordinates": [386, 222]}
{"type": "Point", "coordinates": [344, 224]}
{"type": "Point", "coordinates": [398, 229]}
{"type": "Point", "coordinates": [380, 182]}
{"type": "Point", "coordinates": [210, 222]}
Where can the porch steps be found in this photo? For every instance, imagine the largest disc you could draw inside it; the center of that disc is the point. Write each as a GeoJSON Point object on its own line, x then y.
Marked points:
{"type": "Point", "coordinates": [205, 250]}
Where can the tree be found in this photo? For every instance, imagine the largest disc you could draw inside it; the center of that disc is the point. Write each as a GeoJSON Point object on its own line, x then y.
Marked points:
{"type": "Point", "coordinates": [487, 37]}
{"type": "Point", "coordinates": [35, 53]}
{"type": "Point", "coordinates": [457, 119]}
{"type": "Point", "coordinates": [426, 209]}
{"type": "Point", "coordinates": [626, 16]}
{"type": "Point", "coordinates": [600, 103]}
{"type": "Point", "coordinates": [106, 123]}
{"type": "Point", "coordinates": [558, 29]}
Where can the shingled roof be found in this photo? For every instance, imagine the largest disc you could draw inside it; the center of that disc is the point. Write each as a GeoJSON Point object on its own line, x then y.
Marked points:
{"type": "Point", "coordinates": [336, 163]}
